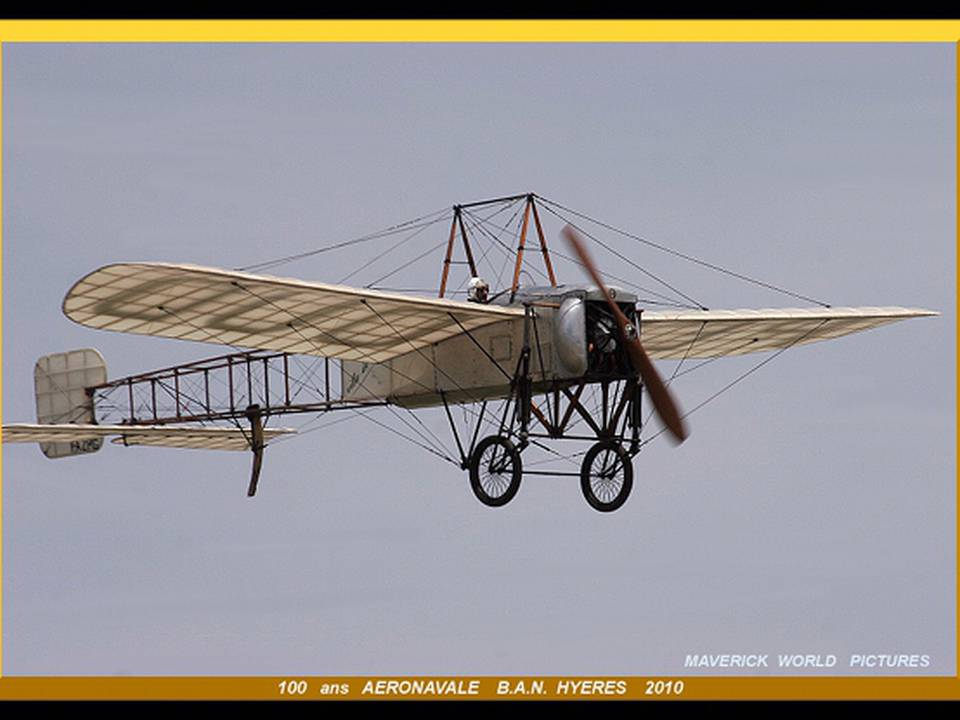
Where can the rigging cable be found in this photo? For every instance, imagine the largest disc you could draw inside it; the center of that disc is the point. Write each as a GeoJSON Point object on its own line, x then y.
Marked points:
{"type": "Point", "coordinates": [686, 354]}
{"type": "Point", "coordinates": [742, 376]}
{"type": "Point", "coordinates": [554, 252]}
{"type": "Point", "coordinates": [338, 341]}
{"type": "Point", "coordinates": [505, 228]}
{"type": "Point", "coordinates": [684, 256]}
{"type": "Point", "coordinates": [393, 247]}
{"type": "Point", "coordinates": [625, 258]}
{"type": "Point", "coordinates": [407, 264]}
{"type": "Point", "coordinates": [471, 222]}
{"type": "Point", "coordinates": [393, 229]}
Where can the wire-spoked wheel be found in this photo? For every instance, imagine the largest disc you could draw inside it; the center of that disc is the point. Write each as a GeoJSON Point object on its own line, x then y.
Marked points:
{"type": "Point", "coordinates": [606, 476]}
{"type": "Point", "coordinates": [495, 470]}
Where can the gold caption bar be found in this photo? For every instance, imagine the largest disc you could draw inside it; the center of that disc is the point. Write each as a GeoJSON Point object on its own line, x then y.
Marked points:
{"type": "Point", "coordinates": [479, 688]}
{"type": "Point", "coordinates": [479, 30]}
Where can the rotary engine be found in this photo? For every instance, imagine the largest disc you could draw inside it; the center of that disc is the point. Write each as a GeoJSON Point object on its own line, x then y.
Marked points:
{"type": "Point", "coordinates": [587, 338]}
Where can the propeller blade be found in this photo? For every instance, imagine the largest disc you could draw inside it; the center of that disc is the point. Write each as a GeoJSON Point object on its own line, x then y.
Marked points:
{"type": "Point", "coordinates": [663, 401]}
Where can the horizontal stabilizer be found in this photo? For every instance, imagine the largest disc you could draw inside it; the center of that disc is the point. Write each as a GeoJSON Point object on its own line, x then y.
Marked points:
{"type": "Point", "coordinates": [198, 438]}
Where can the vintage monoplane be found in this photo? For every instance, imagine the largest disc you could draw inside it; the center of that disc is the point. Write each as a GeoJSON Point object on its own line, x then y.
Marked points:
{"type": "Point", "coordinates": [516, 359]}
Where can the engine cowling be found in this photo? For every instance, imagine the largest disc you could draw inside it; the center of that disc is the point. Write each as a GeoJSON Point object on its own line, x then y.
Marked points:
{"type": "Point", "coordinates": [570, 334]}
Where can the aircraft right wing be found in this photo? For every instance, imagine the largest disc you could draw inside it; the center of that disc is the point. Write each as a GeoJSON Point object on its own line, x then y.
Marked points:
{"type": "Point", "coordinates": [716, 333]}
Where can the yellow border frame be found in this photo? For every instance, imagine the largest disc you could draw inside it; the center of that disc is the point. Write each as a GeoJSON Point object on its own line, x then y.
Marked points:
{"type": "Point", "coordinates": [479, 31]}
{"type": "Point", "coordinates": [607, 31]}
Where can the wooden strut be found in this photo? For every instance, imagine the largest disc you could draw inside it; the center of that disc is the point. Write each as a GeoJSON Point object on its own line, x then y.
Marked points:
{"type": "Point", "coordinates": [625, 396]}
{"type": "Point", "coordinates": [466, 244]}
{"type": "Point", "coordinates": [523, 240]}
{"type": "Point", "coordinates": [609, 420]}
{"type": "Point", "coordinates": [573, 402]}
{"type": "Point", "coordinates": [530, 207]}
{"type": "Point", "coordinates": [576, 405]}
{"type": "Point", "coordinates": [543, 420]}
{"type": "Point", "coordinates": [543, 244]}
{"type": "Point", "coordinates": [448, 258]}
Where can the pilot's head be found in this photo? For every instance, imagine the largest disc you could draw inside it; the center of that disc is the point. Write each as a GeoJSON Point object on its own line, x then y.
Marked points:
{"type": "Point", "coordinates": [477, 290]}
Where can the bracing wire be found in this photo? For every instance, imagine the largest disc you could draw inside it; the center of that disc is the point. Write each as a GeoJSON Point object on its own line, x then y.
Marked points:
{"type": "Point", "coordinates": [741, 377]}
{"type": "Point", "coordinates": [393, 229]}
{"type": "Point", "coordinates": [481, 225]}
{"type": "Point", "coordinates": [685, 256]}
{"type": "Point", "coordinates": [384, 253]}
{"type": "Point", "coordinates": [627, 260]}
{"type": "Point", "coordinates": [338, 341]}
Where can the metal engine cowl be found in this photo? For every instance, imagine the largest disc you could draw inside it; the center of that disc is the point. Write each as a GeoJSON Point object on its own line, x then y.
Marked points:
{"type": "Point", "coordinates": [570, 334]}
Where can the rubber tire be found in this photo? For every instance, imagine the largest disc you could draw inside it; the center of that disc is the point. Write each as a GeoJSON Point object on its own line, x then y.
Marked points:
{"type": "Point", "coordinates": [595, 502]}
{"type": "Point", "coordinates": [517, 463]}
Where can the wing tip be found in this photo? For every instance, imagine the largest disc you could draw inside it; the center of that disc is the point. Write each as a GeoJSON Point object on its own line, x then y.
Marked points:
{"type": "Point", "coordinates": [902, 313]}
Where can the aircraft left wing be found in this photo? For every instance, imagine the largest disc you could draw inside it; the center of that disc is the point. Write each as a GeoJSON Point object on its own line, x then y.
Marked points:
{"type": "Point", "coordinates": [203, 304]}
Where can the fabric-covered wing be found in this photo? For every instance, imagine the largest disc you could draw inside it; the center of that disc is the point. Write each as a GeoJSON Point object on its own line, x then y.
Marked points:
{"type": "Point", "coordinates": [203, 304]}
{"type": "Point", "coordinates": [198, 438]}
{"type": "Point", "coordinates": [714, 333]}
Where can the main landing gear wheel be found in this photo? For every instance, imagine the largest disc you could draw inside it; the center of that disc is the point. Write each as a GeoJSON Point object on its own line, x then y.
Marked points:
{"type": "Point", "coordinates": [495, 469]}
{"type": "Point", "coordinates": [606, 476]}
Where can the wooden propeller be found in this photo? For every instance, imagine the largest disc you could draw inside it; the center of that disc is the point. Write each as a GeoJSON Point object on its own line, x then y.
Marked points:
{"type": "Point", "coordinates": [663, 401]}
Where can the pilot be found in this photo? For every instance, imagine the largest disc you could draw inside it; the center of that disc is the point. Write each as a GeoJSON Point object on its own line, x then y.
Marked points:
{"type": "Point", "coordinates": [478, 290]}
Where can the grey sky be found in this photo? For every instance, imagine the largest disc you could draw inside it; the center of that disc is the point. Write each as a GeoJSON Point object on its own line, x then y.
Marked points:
{"type": "Point", "coordinates": [811, 511]}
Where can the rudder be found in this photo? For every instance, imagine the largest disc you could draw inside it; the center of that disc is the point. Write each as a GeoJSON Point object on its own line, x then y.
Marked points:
{"type": "Point", "coordinates": [60, 382]}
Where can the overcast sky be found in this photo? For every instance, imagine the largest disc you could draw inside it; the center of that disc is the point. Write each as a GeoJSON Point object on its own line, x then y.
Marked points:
{"type": "Point", "coordinates": [811, 511]}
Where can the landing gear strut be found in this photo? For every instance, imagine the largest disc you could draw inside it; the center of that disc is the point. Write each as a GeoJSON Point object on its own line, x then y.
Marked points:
{"type": "Point", "coordinates": [606, 473]}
